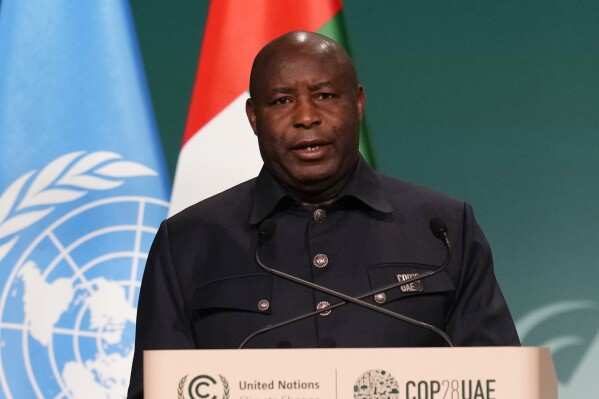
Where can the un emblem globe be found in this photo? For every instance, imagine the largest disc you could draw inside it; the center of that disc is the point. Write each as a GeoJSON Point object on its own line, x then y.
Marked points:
{"type": "Point", "coordinates": [68, 307]}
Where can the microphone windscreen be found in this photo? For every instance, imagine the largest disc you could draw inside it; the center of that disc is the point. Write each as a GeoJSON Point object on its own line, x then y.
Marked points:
{"type": "Point", "coordinates": [267, 229]}
{"type": "Point", "coordinates": [438, 227]}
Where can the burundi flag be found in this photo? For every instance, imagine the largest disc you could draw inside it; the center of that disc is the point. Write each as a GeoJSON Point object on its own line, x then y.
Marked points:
{"type": "Point", "coordinates": [219, 148]}
{"type": "Point", "coordinates": [83, 188]}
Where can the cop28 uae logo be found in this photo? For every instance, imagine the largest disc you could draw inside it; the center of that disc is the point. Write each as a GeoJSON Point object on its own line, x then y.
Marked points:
{"type": "Point", "coordinates": [203, 387]}
{"type": "Point", "coordinates": [376, 384]}
{"type": "Point", "coordinates": [67, 309]}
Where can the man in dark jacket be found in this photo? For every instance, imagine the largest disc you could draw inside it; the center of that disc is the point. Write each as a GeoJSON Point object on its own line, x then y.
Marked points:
{"type": "Point", "coordinates": [331, 220]}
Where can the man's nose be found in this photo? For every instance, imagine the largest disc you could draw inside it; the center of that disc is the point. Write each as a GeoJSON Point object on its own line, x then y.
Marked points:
{"type": "Point", "coordinates": [306, 114]}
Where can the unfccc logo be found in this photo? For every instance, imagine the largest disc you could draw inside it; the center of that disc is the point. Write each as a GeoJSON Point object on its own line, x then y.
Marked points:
{"type": "Point", "coordinates": [204, 387]}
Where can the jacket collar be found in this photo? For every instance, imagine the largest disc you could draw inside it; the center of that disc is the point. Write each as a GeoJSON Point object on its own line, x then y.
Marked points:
{"type": "Point", "coordinates": [363, 185]}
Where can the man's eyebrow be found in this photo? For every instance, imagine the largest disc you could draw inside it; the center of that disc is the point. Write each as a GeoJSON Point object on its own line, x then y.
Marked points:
{"type": "Point", "coordinates": [282, 90]}
{"type": "Point", "coordinates": [319, 85]}
{"type": "Point", "coordinates": [312, 87]}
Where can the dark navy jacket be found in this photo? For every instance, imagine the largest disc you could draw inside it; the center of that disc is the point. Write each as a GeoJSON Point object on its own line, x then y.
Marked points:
{"type": "Point", "coordinates": [203, 289]}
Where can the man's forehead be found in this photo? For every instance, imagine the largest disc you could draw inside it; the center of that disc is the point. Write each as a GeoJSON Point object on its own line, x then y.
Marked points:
{"type": "Point", "coordinates": [317, 68]}
{"type": "Point", "coordinates": [291, 51]}
{"type": "Point", "coordinates": [297, 56]}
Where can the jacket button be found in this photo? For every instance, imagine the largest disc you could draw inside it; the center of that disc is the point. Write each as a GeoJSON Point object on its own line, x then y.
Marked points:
{"type": "Point", "coordinates": [380, 298]}
{"type": "Point", "coordinates": [319, 215]}
{"type": "Point", "coordinates": [323, 305]}
{"type": "Point", "coordinates": [320, 261]}
{"type": "Point", "coordinates": [263, 305]}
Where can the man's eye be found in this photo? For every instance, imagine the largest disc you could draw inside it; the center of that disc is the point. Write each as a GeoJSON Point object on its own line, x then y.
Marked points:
{"type": "Point", "coordinates": [282, 100]}
{"type": "Point", "coordinates": [324, 96]}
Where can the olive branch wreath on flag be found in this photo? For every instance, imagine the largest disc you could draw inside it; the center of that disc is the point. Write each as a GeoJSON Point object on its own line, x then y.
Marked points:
{"type": "Point", "coordinates": [33, 196]}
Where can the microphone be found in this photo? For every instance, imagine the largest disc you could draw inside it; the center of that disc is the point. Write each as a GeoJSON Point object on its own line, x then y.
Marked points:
{"type": "Point", "coordinates": [267, 229]}
{"type": "Point", "coordinates": [437, 226]}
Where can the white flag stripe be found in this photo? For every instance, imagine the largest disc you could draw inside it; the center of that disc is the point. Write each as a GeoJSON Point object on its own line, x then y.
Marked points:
{"type": "Point", "coordinates": [222, 154]}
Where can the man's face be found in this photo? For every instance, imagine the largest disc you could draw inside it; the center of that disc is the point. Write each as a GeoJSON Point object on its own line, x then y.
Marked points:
{"type": "Point", "coordinates": [306, 111]}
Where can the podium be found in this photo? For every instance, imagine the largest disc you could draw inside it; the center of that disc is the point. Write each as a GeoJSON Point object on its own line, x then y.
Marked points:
{"type": "Point", "coordinates": [368, 373]}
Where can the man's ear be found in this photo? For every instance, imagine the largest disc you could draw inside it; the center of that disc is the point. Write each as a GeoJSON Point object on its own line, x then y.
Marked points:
{"type": "Point", "coordinates": [251, 114]}
{"type": "Point", "coordinates": [360, 101]}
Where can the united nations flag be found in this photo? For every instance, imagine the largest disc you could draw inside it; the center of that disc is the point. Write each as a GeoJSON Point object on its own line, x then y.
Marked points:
{"type": "Point", "coordinates": [83, 188]}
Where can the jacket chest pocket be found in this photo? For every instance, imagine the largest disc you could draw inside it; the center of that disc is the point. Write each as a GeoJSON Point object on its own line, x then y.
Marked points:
{"type": "Point", "coordinates": [227, 310]}
{"type": "Point", "coordinates": [249, 293]}
{"type": "Point", "coordinates": [414, 276]}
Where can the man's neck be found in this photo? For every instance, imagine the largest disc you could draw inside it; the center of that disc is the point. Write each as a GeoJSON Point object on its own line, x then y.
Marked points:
{"type": "Point", "coordinates": [322, 192]}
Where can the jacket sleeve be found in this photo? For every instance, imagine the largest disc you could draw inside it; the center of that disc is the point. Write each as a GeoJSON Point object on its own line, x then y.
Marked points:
{"type": "Point", "coordinates": [163, 321]}
{"type": "Point", "coordinates": [480, 316]}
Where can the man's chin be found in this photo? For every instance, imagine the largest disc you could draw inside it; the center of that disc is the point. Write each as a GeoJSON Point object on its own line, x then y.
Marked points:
{"type": "Point", "coordinates": [315, 185]}
{"type": "Point", "coordinates": [314, 173]}
{"type": "Point", "coordinates": [315, 180]}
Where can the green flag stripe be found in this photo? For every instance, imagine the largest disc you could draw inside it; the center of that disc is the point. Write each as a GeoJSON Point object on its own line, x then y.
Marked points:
{"type": "Point", "coordinates": [335, 29]}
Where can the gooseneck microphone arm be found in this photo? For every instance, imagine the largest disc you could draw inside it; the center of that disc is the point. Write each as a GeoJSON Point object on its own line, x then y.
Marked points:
{"type": "Point", "coordinates": [267, 230]}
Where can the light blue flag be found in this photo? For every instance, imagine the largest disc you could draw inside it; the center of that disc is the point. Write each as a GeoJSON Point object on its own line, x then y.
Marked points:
{"type": "Point", "coordinates": [83, 187]}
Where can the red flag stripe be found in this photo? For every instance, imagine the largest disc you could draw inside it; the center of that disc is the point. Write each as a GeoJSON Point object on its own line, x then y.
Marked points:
{"type": "Point", "coordinates": [235, 32]}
